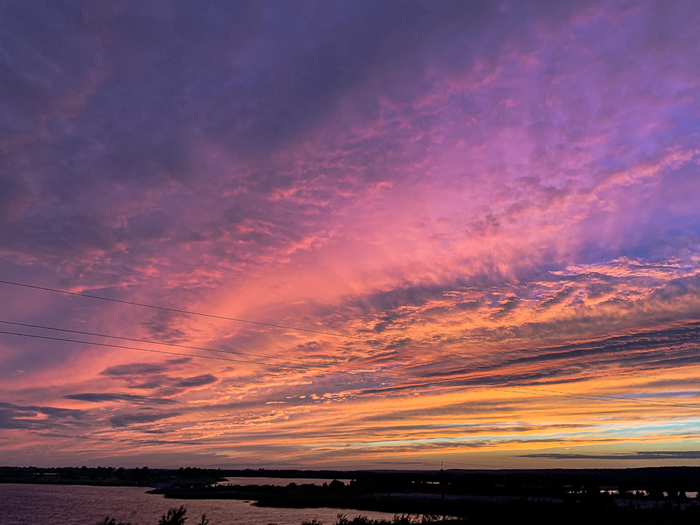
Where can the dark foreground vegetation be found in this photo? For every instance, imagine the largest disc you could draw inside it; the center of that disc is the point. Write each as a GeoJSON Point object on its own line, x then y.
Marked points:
{"type": "Point", "coordinates": [110, 476]}
{"type": "Point", "coordinates": [619, 496]}
{"type": "Point", "coordinates": [145, 477]}
{"type": "Point", "coordinates": [174, 516]}
{"type": "Point", "coordinates": [521, 513]}
{"type": "Point", "coordinates": [651, 495]}
{"type": "Point", "coordinates": [178, 516]}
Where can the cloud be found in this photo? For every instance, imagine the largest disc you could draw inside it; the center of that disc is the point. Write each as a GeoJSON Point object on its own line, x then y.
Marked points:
{"type": "Point", "coordinates": [643, 455]}
{"type": "Point", "coordinates": [139, 418]}
{"type": "Point", "coordinates": [495, 203]}
{"type": "Point", "coordinates": [189, 382]}
{"type": "Point", "coordinates": [139, 369]}
{"type": "Point", "coordinates": [38, 417]}
{"type": "Point", "coordinates": [166, 326]}
{"type": "Point", "coordinates": [107, 397]}
{"type": "Point", "coordinates": [154, 377]}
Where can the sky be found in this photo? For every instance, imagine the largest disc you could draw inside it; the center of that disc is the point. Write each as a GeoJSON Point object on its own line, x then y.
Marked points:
{"type": "Point", "coordinates": [350, 234]}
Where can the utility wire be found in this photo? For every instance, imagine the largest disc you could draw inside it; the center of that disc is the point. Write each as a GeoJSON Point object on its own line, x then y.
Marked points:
{"type": "Point", "coordinates": [177, 310]}
{"type": "Point", "coordinates": [260, 323]}
{"type": "Point", "coordinates": [109, 345]}
{"type": "Point", "coordinates": [512, 389]}
{"type": "Point", "coordinates": [148, 341]}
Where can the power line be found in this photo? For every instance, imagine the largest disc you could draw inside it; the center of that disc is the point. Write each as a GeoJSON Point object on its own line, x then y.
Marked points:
{"type": "Point", "coordinates": [148, 341]}
{"type": "Point", "coordinates": [124, 347]}
{"type": "Point", "coordinates": [213, 316]}
{"type": "Point", "coordinates": [177, 310]}
{"type": "Point", "coordinates": [512, 389]}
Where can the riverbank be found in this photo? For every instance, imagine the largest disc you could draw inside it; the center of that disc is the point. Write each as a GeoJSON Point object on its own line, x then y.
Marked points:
{"type": "Point", "coordinates": [31, 504]}
{"type": "Point", "coordinates": [110, 476]}
{"type": "Point", "coordinates": [649, 495]}
{"type": "Point", "coordinates": [595, 506]}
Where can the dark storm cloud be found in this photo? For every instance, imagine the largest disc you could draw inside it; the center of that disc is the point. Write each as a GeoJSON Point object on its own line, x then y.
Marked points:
{"type": "Point", "coordinates": [124, 94]}
{"type": "Point", "coordinates": [643, 455]}
{"type": "Point", "coordinates": [407, 295]}
{"type": "Point", "coordinates": [557, 298]}
{"type": "Point", "coordinates": [644, 350]}
{"type": "Point", "coordinates": [138, 418]}
{"type": "Point", "coordinates": [202, 380]}
{"type": "Point", "coordinates": [135, 369]}
{"type": "Point", "coordinates": [38, 417]}
{"type": "Point", "coordinates": [514, 379]}
{"type": "Point", "coordinates": [155, 377]}
{"type": "Point", "coordinates": [392, 303]}
{"type": "Point", "coordinates": [107, 397]}
{"type": "Point", "coordinates": [171, 386]}
{"type": "Point", "coordinates": [165, 326]}
{"type": "Point", "coordinates": [665, 342]}
{"type": "Point", "coordinates": [139, 369]}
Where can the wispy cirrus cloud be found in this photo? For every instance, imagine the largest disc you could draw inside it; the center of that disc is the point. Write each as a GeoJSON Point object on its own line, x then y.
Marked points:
{"type": "Point", "coordinates": [493, 206]}
{"type": "Point", "coordinates": [645, 455]}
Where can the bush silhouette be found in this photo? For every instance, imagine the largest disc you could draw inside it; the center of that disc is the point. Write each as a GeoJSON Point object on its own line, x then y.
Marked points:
{"type": "Point", "coordinates": [174, 516]}
{"type": "Point", "coordinates": [178, 516]}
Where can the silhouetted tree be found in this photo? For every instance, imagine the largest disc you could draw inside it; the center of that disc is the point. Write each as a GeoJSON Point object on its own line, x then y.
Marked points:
{"type": "Point", "coordinates": [111, 521]}
{"type": "Point", "coordinates": [174, 516]}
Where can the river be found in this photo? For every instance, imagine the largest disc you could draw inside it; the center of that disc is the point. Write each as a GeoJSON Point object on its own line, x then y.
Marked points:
{"type": "Point", "coordinates": [30, 504]}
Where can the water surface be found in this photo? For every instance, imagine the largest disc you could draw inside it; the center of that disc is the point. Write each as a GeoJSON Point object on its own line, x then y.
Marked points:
{"type": "Point", "coordinates": [24, 504]}
{"type": "Point", "coordinates": [277, 482]}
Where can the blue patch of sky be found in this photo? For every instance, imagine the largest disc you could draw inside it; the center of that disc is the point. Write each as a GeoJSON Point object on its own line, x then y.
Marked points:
{"type": "Point", "coordinates": [671, 428]}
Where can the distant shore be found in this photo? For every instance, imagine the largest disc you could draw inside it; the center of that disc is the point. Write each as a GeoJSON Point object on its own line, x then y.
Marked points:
{"type": "Point", "coordinates": [647, 495]}
{"type": "Point", "coordinates": [476, 497]}
{"type": "Point", "coordinates": [147, 477]}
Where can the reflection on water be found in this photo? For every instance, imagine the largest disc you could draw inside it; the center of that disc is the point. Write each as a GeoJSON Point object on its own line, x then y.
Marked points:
{"type": "Point", "coordinates": [83, 505]}
{"type": "Point", "coordinates": [277, 482]}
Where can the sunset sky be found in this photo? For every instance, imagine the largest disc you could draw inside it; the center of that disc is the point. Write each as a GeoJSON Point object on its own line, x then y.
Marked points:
{"type": "Point", "coordinates": [468, 232]}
